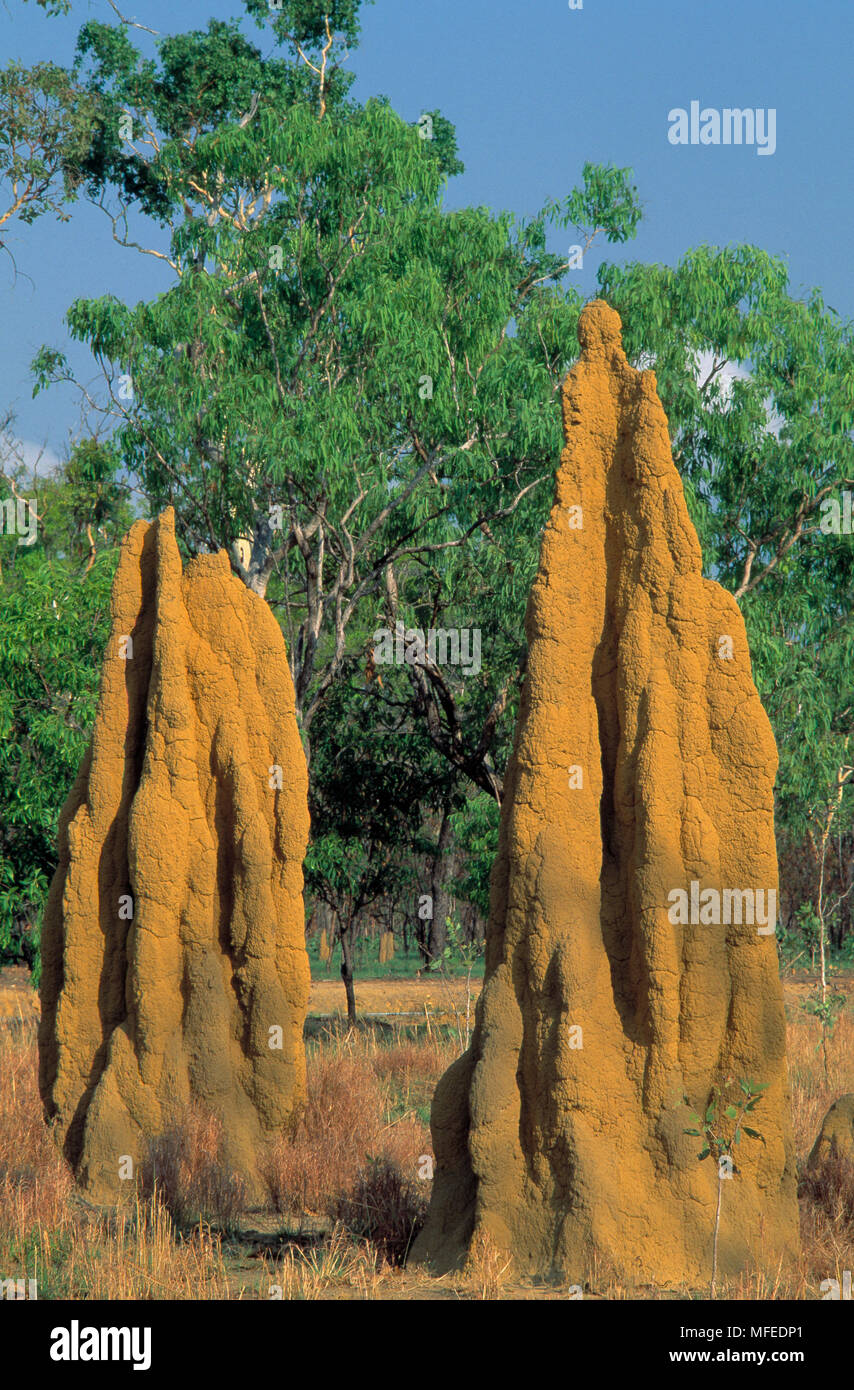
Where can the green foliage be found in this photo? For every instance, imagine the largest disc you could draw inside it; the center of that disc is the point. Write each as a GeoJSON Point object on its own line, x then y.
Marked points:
{"type": "Point", "coordinates": [86, 506]}
{"type": "Point", "coordinates": [827, 1010]}
{"type": "Point", "coordinates": [310, 22]}
{"type": "Point", "coordinates": [808, 924]}
{"type": "Point", "coordinates": [46, 121]}
{"type": "Point", "coordinates": [443, 144]}
{"type": "Point", "coordinates": [54, 622]}
{"type": "Point", "coordinates": [367, 801]}
{"type": "Point", "coordinates": [458, 951]}
{"type": "Point", "coordinates": [607, 201]}
{"type": "Point", "coordinates": [722, 1124]}
{"type": "Point", "coordinates": [476, 834]}
{"type": "Point", "coordinates": [54, 7]}
{"type": "Point", "coordinates": [720, 1129]}
{"type": "Point", "coordinates": [53, 629]}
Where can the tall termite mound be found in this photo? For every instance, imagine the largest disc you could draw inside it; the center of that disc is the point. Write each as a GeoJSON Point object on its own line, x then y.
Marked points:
{"type": "Point", "coordinates": [629, 958]}
{"type": "Point", "coordinates": [174, 970]}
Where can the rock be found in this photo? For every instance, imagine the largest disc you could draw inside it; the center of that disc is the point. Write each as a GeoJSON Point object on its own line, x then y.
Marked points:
{"type": "Point", "coordinates": [836, 1135]}
{"type": "Point", "coordinates": [643, 764]}
{"type": "Point", "coordinates": [174, 968]}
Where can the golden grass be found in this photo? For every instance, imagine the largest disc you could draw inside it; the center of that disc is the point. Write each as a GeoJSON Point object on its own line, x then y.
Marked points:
{"type": "Point", "coordinates": [337, 1264]}
{"type": "Point", "coordinates": [812, 1096]}
{"type": "Point", "coordinates": [361, 1114]}
{"type": "Point", "coordinates": [72, 1250]}
{"type": "Point", "coordinates": [185, 1170]}
{"type": "Point", "coordinates": [488, 1269]}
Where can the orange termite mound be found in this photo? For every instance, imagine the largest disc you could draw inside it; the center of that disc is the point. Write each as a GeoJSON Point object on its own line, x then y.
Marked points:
{"type": "Point", "coordinates": [174, 967]}
{"type": "Point", "coordinates": [629, 960]}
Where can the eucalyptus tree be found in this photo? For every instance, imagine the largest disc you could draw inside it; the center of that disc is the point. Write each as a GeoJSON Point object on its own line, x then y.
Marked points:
{"type": "Point", "coordinates": [46, 122]}
{"type": "Point", "coordinates": [342, 380]}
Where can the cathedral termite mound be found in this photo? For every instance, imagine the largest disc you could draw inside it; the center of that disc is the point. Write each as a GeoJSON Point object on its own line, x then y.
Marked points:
{"type": "Point", "coordinates": [174, 966]}
{"type": "Point", "coordinates": [631, 962]}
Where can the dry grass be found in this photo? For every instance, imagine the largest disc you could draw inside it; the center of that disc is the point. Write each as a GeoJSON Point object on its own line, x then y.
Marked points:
{"type": "Point", "coordinates": [350, 1172]}
{"type": "Point", "coordinates": [488, 1269]}
{"type": "Point", "coordinates": [406, 1063]}
{"type": "Point", "coordinates": [827, 1221]}
{"type": "Point", "coordinates": [72, 1250]}
{"type": "Point", "coordinates": [353, 1159]}
{"type": "Point", "coordinates": [138, 1253]}
{"type": "Point", "coordinates": [355, 1155]}
{"type": "Point", "coordinates": [385, 1209]}
{"type": "Point", "coordinates": [185, 1170]}
{"type": "Point", "coordinates": [338, 1264]}
{"type": "Point", "coordinates": [35, 1183]}
{"type": "Point", "coordinates": [812, 1096]}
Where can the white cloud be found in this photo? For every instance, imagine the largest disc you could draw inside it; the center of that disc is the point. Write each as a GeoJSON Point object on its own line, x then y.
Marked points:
{"type": "Point", "coordinates": [726, 376]}
{"type": "Point", "coordinates": [38, 459]}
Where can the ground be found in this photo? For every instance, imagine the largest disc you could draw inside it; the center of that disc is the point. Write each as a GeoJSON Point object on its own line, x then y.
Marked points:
{"type": "Point", "coordinates": [347, 1188]}
{"type": "Point", "coordinates": [429, 997]}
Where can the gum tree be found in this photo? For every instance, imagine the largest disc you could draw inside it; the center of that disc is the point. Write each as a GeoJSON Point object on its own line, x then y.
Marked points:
{"type": "Point", "coordinates": [329, 386]}
{"type": "Point", "coordinates": [46, 121]}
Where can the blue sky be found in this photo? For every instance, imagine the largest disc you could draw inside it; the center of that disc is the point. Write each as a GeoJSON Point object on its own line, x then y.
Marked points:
{"type": "Point", "coordinates": [534, 89]}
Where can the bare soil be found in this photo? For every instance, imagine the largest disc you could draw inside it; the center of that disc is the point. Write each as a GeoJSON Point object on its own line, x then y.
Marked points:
{"type": "Point", "coordinates": [409, 1000]}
